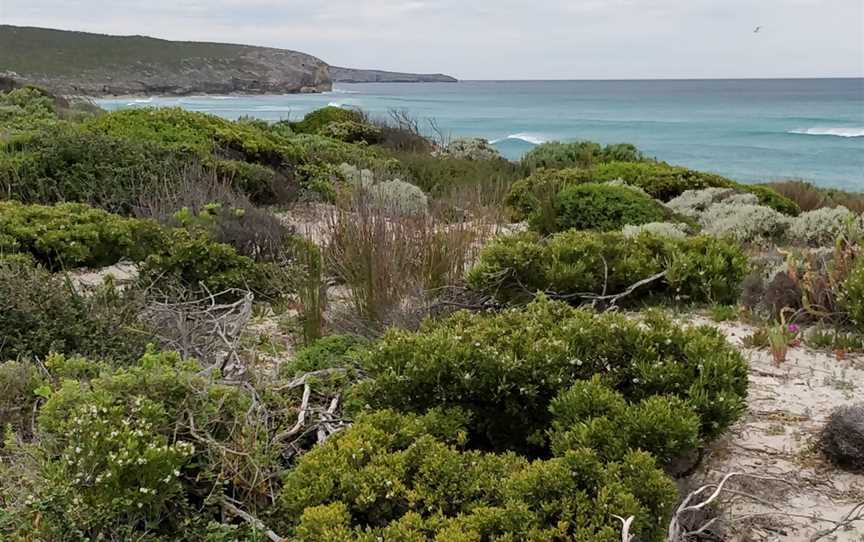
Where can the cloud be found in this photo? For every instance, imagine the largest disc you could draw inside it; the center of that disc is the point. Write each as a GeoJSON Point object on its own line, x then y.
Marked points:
{"type": "Point", "coordinates": [503, 38]}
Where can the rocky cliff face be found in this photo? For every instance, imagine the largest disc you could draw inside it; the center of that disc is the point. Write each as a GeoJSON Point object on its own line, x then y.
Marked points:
{"type": "Point", "coordinates": [97, 65]}
{"type": "Point", "coordinates": [351, 75]}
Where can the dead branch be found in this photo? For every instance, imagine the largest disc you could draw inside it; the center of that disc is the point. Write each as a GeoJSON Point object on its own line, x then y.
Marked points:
{"type": "Point", "coordinates": [855, 514]}
{"type": "Point", "coordinates": [206, 328]}
{"type": "Point", "coordinates": [230, 505]}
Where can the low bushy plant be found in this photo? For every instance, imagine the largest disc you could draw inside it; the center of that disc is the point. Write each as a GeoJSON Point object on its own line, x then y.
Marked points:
{"type": "Point", "coordinates": [506, 369]}
{"type": "Point", "coordinates": [71, 235]}
{"type": "Point", "coordinates": [398, 477]}
{"type": "Point", "coordinates": [119, 454]}
{"type": "Point", "coordinates": [603, 207]}
{"type": "Point", "coordinates": [441, 176]}
{"type": "Point", "coordinates": [325, 353]}
{"type": "Point", "coordinates": [573, 264]}
{"type": "Point", "coordinates": [470, 149]}
{"type": "Point", "coordinates": [400, 197]}
{"type": "Point", "coordinates": [316, 121]}
{"type": "Point", "coordinates": [42, 313]}
{"type": "Point", "coordinates": [189, 258]}
{"type": "Point", "coordinates": [745, 223]}
{"type": "Point", "coordinates": [351, 131]}
{"type": "Point", "coordinates": [19, 384]}
{"type": "Point", "coordinates": [583, 154]}
{"type": "Point", "coordinates": [672, 230]}
{"type": "Point", "coordinates": [823, 226]}
{"type": "Point", "coordinates": [592, 415]}
{"type": "Point", "coordinates": [67, 163]}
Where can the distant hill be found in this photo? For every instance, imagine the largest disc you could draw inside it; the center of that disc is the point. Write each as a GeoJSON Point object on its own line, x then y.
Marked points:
{"type": "Point", "coordinates": [80, 63]}
{"type": "Point", "coordinates": [351, 75]}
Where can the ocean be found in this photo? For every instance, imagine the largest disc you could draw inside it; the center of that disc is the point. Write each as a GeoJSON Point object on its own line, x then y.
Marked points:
{"type": "Point", "coordinates": [748, 130]}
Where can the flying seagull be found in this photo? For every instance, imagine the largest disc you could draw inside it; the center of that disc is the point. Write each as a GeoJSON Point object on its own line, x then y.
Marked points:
{"type": "Point", "coordinates": [758, 28]}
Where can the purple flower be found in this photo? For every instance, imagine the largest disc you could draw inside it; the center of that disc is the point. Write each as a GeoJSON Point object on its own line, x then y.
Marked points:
{"type": "Point", "coordinates": [793, 328]}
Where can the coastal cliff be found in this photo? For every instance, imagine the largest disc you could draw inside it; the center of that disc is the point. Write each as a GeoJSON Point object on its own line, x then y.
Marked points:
{"type": "Point", "coordinates": [351, 75]}
{"type": "Point", "coordinates": [99, 65]}
{"type": "Point", "coordinates": [81, 63]}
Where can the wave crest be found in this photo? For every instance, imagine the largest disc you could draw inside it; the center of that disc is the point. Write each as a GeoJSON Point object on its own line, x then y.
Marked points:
{"type": "Point", "coordinates": [534, 139]}
{"type": "Point", "coordinates": [830, 131]}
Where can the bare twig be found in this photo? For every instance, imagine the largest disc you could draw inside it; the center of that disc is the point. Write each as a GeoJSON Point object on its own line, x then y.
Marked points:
{"type": "Point", "coordinates": [230, 505]}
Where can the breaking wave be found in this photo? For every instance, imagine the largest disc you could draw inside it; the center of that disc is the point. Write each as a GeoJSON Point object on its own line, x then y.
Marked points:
{"type": "Point", "coordinates": [533, 139]}
{"type": "Point", "coordinates": [830, 131]}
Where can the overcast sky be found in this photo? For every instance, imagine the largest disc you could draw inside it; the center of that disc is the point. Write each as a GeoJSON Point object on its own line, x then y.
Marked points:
{"type": "Point", "coordinates": [503, 39]}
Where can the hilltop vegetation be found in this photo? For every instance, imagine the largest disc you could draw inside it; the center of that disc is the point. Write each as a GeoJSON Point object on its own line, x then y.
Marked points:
{"type": "Point", "coordinates": [80, 63]}
{"type": "Point", "coordinates": [459, 375]}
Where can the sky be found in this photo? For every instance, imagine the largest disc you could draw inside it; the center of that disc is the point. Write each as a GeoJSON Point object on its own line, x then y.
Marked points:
{"type": "Point", "coordinates": [503, 39]}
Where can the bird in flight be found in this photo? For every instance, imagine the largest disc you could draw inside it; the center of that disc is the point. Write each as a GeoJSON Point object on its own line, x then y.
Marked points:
{"type": "Point", "coordinates": [758, 28]}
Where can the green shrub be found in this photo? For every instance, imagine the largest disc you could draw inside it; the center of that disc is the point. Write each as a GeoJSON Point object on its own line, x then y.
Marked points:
{"type": "Point", "coordinates": [506, 369]}
{"type": "Point", "coordinates": [318, 120]}
{"type": "Point", "coordinates": [570, 264]}
{"type": "Point", "coordinates": [665, 182]}
{"type": "Point", "coordinates": [351, 131]}
{"type": "Point", "coordinates": [325, 353]}
{"type": "Point", "coordinates": [193, 132]}
{"type": "Point", "coordinates": [24, 109]}
{"type": "Point", "coordinates": [118, 455]}
{"type": "Point", "coordinates": [70, 235]}
{"type": "Point", "coordinates": [604, 207]}
{"type": "Point", "coordinates": [583, 154]}
{"type": "Point", "coordinates": [593, 415]}
{"type": "Point", "coordinates": [852, 294]}
{"type": "Point", "coordinates": [67, 163]}
{"type": "Point", "coordinates": [190, 258]}
{"type": "Point", "coordinates": [41, 313]}
{"type": "Point", "coordinates": [395, 477]}
{"type": "Point", "coordinates": [534, 196]}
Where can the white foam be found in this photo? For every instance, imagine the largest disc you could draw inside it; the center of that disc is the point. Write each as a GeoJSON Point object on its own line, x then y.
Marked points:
{"type": "Point", "coordinates": [141, 101]}
{"type": "Point", "coordinates": [335, 104]}
{"type": "Point", "coordinates": [533, 139]}
{"type": "Point", "coordinates": [830, 131]}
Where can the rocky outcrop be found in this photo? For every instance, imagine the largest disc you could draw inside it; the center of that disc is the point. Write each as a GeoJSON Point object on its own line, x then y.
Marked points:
{"type": "Point", "coordinates": [78, 63]}
{"type": "Point", "coordinates": [350, 75]}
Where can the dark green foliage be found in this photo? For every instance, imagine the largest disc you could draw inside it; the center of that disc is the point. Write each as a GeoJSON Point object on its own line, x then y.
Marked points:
{"type": "Point", "coordinates": [506, 369]}
{"type": "Point", "coordinates": [325, 353]}
{"type": "Point", "coordinates": [67, 163]}
{"type": "Point", "coordinates": [771, 198]}
{"type": "Point", "coordinates": [73, 235]}
{"type": "Point", "coordinates": [593, 415]}
{"type": "Point", "coordinates": [395, 477]}
{"type": "Point", "coordinates": [583, 154]}
{"type": "Point", "coordinates": [41, 313]}
{"type": "Point", "coordinates": [190, 259]}
{"type": "Point", "coordinates": [318, 120]}
{"type": "Point", "coordinates": [604, 207]}
{"type": "Point", "coordinates": [574, 263]}
{"type": "Point", "coordinates": [534, 196]}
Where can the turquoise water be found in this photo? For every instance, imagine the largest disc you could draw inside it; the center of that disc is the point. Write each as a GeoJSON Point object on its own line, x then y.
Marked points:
{"type": "Point", "coordinates": [749, 130]}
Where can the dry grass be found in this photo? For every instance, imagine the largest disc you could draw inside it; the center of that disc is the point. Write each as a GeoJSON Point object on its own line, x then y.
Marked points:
{"type": "Point", "coordinates": [810, 197]}
{"type": "Point", "coordinates": [392, 265]}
